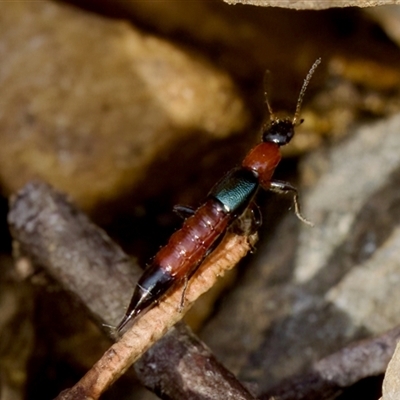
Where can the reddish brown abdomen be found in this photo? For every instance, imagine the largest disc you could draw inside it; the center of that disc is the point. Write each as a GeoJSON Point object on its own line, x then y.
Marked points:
{"type": "Point", "coordinates": [263, 159]}
{"type": "Point", "coordinates": [188, 246]}
{"type": "Point", "coordinates": [176, 261]}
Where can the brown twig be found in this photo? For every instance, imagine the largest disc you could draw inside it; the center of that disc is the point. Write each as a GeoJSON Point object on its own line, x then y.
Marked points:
{"type": "Point", "coordinates": [332, 374]}
{"type": "Point", "coordinates": [188, 357]}
{"type": "Point", "coordinates": [87, 263]}
{"type": "Point", "coordinates": [155, 323]}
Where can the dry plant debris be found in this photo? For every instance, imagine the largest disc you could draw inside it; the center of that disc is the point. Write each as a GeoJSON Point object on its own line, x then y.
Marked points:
{"type": "Point", "coordinates": [313, 4]}
{"type": "Point", "coordinates": [87, 263]}
{"type": "Point", "coordinates": [111, 117]}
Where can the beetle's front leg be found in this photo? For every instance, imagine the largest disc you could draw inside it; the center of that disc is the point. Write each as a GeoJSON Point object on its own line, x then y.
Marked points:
{"type": "Point", "coordinates": [286, 187]}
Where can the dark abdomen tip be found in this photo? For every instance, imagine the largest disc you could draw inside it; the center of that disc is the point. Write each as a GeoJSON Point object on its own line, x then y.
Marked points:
{"type": "Point", "coordinates": [154, 282]}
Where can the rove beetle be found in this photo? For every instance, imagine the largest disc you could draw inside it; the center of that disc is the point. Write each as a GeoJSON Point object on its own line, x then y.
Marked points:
{"type": "Point", "coordinates": [227, 202]}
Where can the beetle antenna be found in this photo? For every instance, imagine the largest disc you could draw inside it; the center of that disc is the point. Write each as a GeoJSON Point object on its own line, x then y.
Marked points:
{"type": "Point", "coordinates": [266, 86]}
{"type": "Point", "coordinates": [296, 120]}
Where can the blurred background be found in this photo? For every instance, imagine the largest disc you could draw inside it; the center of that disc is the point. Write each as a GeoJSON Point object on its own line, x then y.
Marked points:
{"type": "Point", "coordinates": [132, 107]}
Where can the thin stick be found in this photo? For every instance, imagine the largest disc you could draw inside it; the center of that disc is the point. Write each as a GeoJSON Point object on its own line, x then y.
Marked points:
{"type": "Point", "coordinates": [156, 322]}
{"type": "Point", "coordinates": [86, 262]}
{"type": "Point", "coordinates": [332, 374]}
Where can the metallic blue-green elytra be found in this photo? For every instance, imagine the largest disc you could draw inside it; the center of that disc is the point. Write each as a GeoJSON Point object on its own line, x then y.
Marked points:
{"type": "Point", "coordinates": [236, 190]}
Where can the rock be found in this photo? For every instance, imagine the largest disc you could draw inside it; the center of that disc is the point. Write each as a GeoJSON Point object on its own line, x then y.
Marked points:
{"type": "Point", "coordinates": [90, 104]}
{"type": "Point", "coordinates": [388, 18]}
{"type": "Point", "coordinates": [303, 299]}
{"type": "Point", "coordinates": [391, 383]}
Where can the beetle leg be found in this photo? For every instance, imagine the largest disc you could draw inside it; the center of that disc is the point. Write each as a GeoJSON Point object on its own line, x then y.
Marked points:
{"type": "Point", "coordinates": [286, 187]}
{"type": "Point", "coordinates": [183, 211]}
{"type": "Point", "coordinates": [183, 296]}
{"type": "Point", "coordinates": [188, 277]}
{"type": "Point", "coordinates": [248, 223]}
